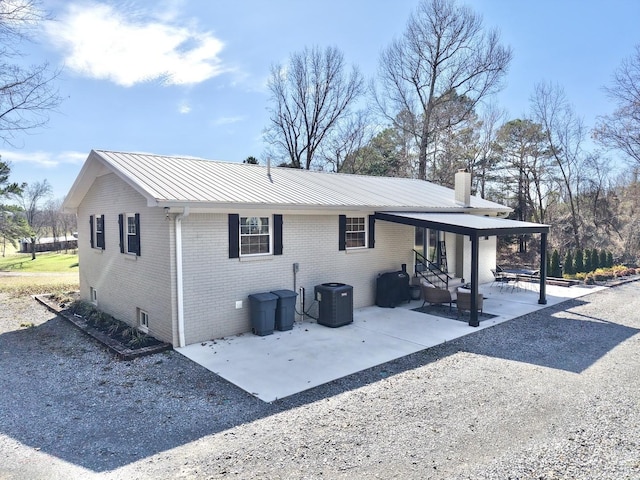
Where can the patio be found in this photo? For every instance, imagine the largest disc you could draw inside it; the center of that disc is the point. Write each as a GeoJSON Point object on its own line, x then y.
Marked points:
{"type": "Point", "coordinates": [286, 363]}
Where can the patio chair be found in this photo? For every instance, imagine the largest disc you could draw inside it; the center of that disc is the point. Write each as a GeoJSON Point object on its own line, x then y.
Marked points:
{"type": "Point", "coordinates": [435, 296]}
{"type": "Point", "coordinates": [499, 277]}
{"type": "Point", "coordinates": [463, 302]}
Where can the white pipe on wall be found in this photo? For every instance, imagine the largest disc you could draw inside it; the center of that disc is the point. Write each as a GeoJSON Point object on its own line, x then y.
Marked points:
{"type": "Point", "coordinates": [179, 282]}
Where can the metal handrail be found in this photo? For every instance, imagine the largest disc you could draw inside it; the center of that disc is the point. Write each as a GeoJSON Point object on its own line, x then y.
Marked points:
{"type": "Point", "coordinates": [432, 268]}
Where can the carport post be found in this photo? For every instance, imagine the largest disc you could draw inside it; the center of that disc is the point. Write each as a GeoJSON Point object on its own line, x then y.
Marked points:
{"type": "Point", "coordinates": [473, 314]}
{"type": "Point", "coordinates": [543, 269]}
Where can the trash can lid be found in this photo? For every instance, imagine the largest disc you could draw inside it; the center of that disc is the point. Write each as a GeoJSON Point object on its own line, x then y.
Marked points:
{"type": "Point", "coordinates": [263, 297]}
{"type": "Point", "coordinates": [285, 293]}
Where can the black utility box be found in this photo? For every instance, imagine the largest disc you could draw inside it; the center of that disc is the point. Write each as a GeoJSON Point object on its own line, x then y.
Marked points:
{"type": "Point", "coordinates": [392, 288]}
{"type": "Point", "coordinates": [263, 312]}
{"type": "Point", "coordinates": [285, 309]}
{"type": "Point", "coordinates": [335, 302]}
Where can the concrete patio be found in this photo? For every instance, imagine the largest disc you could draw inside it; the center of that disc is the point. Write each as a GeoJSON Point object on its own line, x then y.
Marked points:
{"type": "Point", "coordinates": [286, 363]}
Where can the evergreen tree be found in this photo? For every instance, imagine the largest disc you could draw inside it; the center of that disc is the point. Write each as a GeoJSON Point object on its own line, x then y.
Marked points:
{"type": "Point", "coordinates": [603, 259]}
{"type": "Point", "coordinates": [568, 264]}
{"type": "Point", "coordinates": [595, 259]}
{"type": "Point", "coordinates": [554, 269]}
{"type": "Point", "coordinates": [587, 260]}
{"type": "Point", "coordinates": [579, 261]}
{"type": "Point", "coordinates": [609, 259]}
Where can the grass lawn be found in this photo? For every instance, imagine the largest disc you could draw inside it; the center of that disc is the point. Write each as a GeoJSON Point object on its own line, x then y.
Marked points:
{"type": "Point", "coordinates": [44, 262]}
{"type": "Point", "coordinates": [48, 273]}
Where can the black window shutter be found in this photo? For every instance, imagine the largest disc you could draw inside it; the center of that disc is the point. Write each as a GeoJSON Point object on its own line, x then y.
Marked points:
{"type": "Point", "coordinates": [101, 242]}
{"type": "Point", "coordinates": [121, 226]}
{"type": "Point", "coordinates": [234, 235]}
{"type": "Point", "coordinates": [138, 242]}
{"type": "Point", "coordinates": [372, 231]}
{"type": "Point", "coordinates": [91, 229]}
{"type": "Point", "coordinates": [342, 232]}
{"type": "Point", "coordinates": [277, 234]}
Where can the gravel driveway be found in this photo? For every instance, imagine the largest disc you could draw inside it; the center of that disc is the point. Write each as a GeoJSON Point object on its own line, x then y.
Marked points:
{"type": "Point", "coordinates": [551, 395]}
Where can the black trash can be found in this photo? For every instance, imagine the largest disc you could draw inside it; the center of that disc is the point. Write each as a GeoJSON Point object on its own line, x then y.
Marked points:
{"type": "Point", "coordinates": [335, 304]}
{"type": "Point", "coordinates": [285, 309]}
{"type": "Point", "coordinates": [263, 312]}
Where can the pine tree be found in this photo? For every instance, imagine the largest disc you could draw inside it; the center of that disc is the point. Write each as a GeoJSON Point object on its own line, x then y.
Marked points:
{"type": "Point", "coordinates": [595, 259]}
{"type": "Point", "coordinates": [579, 261]}
{"type": "Point", "coordinates": [554, 269]}
{"type": "Point", "coordinates": [568, 264]}
{"type": "Point", "coordinates": [603, 259]}
{"type": "Point", "coordinates": [609, 259]}
{"type": "Point", "coordinates": [587, 260]}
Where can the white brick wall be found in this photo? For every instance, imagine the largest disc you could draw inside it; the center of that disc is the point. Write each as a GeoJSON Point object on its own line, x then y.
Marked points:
{"type": "Point", "coordinates": [125, 282]}
{"type": "Point", "coordinates": [214, 282]}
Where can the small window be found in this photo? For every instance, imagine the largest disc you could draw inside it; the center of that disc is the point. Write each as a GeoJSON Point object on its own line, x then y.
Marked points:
{"type": "Point", "coordinates": [356, 232]}
{"type": "Point", "coordinates": [130, 233]}
{"type": "Point", "coordinates": [255, 236]}
{"type": "Point", "coordinates": [143, 321]}
{"type": "Point", "coordinates": [96, 223]}
{"type": "Point", "coordinates": [93, 294]}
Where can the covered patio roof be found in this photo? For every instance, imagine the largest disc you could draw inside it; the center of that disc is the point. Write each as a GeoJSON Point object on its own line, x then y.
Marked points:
{"type": "Point", "coordinates": [475, 226]}
{"type": "Point", "coordinates": [464, 224]}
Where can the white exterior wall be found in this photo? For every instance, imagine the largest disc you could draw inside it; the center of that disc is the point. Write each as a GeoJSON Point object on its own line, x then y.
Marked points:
{"type": "Point", "coordinates": [486, 259]}
{"type": "Point", "coordinates": [126, 282]}
{"type": "Point", "coordinates": [213, 283]}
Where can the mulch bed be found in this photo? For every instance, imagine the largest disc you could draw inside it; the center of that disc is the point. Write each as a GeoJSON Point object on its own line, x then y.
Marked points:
{"type": "Point", "coordinates": [122, 351]}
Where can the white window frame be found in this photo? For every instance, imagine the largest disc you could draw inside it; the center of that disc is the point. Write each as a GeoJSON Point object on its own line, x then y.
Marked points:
{"type": "Point", "coordinates": [143, 320]}
{"type": "Point", "coordinates": [243, 222]}
{"type": "Point", "coordinates": [93, 295]}
{"type": "Point", "coordinates": [127, 216]}
{"type": "Point", "coordinates": [365, 230]}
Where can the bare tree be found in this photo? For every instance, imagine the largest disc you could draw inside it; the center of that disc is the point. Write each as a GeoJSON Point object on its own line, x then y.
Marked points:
{"type": "Point", "coordinates": [310, 96]}
{"type": "Point", "coordinates": [565, 134]}
{"type": "Point", "coordinates": [27, 94]}
{"type": "Point", "coordinates": [32, 197]}
{"type": "Point", "coordinates": [349, 136]}
{"type": "Point", "coordinates": [621, 130]}
{"type": "Point", "coordinates": [443, 54]}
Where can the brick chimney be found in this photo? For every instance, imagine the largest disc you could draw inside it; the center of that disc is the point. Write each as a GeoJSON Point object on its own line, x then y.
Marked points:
{"type": "Point", "coordinates": [463, 188]}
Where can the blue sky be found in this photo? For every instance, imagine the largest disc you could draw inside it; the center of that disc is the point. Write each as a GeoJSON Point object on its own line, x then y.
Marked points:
{"type": "Point", "coordinates": [188, 77]}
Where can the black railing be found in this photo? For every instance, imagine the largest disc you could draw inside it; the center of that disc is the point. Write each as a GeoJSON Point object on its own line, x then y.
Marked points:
{"type": "Point", "coordinates": [429, 271]}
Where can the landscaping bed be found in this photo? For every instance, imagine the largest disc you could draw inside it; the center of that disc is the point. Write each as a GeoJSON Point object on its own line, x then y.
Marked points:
{"type": "Point", "coordinates": [126, 341]}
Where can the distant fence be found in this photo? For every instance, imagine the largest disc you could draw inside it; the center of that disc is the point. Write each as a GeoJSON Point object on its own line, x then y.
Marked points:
{"type": "Point", "coordinates": [25, 247]}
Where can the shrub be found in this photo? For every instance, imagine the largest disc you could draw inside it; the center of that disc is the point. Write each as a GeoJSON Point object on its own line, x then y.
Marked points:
{"type": "Point", "coordinates": [568, 264]}
{"type": "Point", "coordinates": [578, 261]}
{"type": "Point", "coordinates": [587, 260]}
{"type": "Point", "coordinates": [554, 267]}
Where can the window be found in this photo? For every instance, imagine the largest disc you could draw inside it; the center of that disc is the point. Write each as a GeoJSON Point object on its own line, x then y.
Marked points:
{"type": "Point", "coordinates": [255, 236]}
{"type": "Point", "coordinates": [129, 233]}
{"type": "Point", "coordinates": [93, 295]}
{"type": "Point", "coordinates": [96, 224]}
{"type": "Point", "coordinates": [143, 321]}
{"type": "Point", "coordinates": [356, 232]}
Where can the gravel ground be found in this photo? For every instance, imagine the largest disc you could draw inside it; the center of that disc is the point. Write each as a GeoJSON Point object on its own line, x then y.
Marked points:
{"type": "Point", "coordinates": [551, 395]}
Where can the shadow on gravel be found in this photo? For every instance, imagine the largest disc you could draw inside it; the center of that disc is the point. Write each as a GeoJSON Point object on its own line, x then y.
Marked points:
{"type": "Point", "coordinates": [64, 395]}
{"type": "Point", "coordinates": [561, 339]}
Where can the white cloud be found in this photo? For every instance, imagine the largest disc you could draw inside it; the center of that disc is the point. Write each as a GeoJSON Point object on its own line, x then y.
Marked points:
{"type": "Point", "coordinates": [184, 108]}
{"type": "Point", "coordinates": [103, 42]}
{"type": "Point", "coordinates": [227, 120]}
{"type": "Point", "coordinates": [43, 159]}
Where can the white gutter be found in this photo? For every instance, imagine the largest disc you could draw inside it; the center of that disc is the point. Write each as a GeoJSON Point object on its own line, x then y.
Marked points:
{"type": "Point", "coordinates": [179, 282]}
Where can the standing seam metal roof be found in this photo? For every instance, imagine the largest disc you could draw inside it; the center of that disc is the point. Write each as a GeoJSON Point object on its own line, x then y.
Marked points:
{"type": "Point", "coordinates": [173, 179]}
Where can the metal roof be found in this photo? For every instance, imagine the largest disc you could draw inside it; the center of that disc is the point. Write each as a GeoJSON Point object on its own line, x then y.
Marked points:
{"type": "Point", "coordinates": [473, 225]}
{"type": "Point", "coordinates": [177, 181]}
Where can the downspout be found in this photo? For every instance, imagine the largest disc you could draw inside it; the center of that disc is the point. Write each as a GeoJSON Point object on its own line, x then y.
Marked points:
{"type": "Point", "coordinates": [179, 282]}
